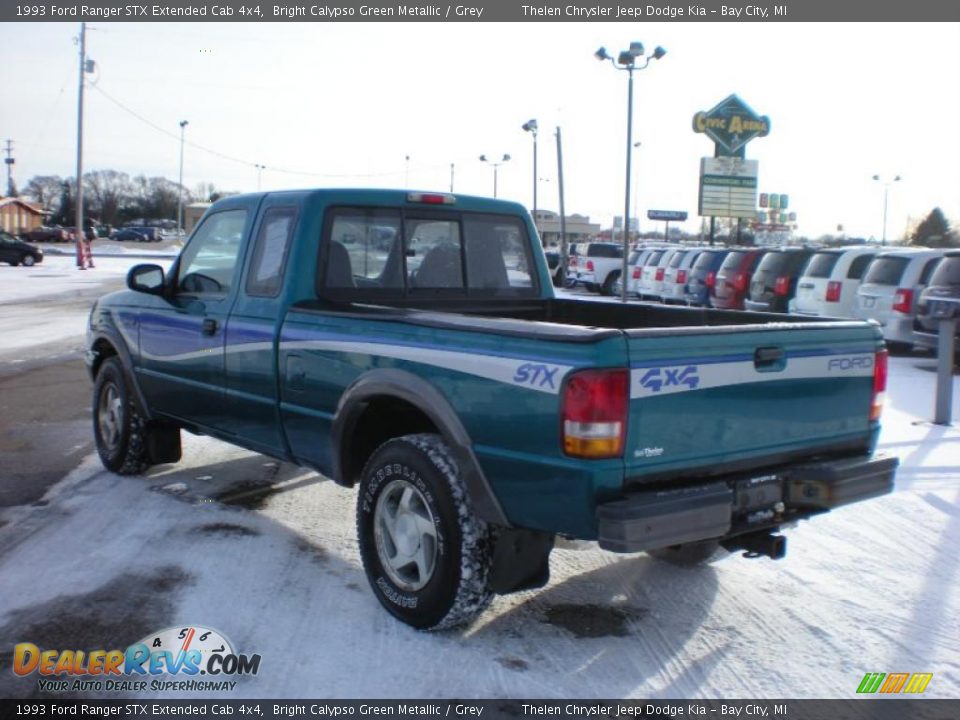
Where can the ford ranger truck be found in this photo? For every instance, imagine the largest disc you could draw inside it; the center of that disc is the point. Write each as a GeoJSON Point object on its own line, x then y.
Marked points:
{"type": "Point", "coordinates": [409, 345]}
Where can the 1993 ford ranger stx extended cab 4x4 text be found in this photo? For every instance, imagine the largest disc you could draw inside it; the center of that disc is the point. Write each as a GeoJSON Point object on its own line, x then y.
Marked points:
{"type": "Point", "coordinates": [411, 344]}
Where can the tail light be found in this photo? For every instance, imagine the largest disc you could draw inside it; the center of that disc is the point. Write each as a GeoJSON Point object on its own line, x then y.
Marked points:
{"type": "Point", "coordinates": [782, 286]}
{"type": "Point", "coordinates": [682, 277]}
{"type": "Point", "coordinates": [879, 385]}
{"type": "Point", "coordinates": [636, 273]}
{"type": "Point", "coordinates": [431, 198]}
{"type": "Point", "coordinates": [589, 265]}
{"type": "Point", "coordinates": [741, 281]}
{"type": "Point", "coordinates": [711, 281]}
{"type": "Point", "coordinates": [659, 275]}
{"type": "Point", "coordinates": [573, 262]}
{"type": "Point", "coordinates": [833, 290]}
{"type": "Point", "coordinates": [903, 300]}
{"type": "Point", "coordinates": [594, 413]}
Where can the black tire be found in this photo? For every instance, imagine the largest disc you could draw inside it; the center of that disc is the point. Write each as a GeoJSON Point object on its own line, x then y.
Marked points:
{"type": "Point", "coordinates": [118, 428]}
{"type": "Point", "coordinates": [411, 493]}
{"type": "Point", "coordinates": [688, 554]}
{"type": "Point", "coordinates": [607, 288]}
{"type": "Point", "coordinates": [27, 261]}
{"type": "Point", "coordinates": [559, 277]}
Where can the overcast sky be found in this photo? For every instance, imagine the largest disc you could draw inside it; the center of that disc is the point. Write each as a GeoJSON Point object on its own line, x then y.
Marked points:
{"type": "Point", "coordinates": [345, 104]}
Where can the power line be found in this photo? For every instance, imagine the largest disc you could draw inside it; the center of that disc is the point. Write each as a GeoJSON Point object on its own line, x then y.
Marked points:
{"type": "Point", "coordinates": [240, 161]}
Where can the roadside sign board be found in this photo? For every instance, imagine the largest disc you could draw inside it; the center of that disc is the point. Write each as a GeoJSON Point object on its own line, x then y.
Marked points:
{"type": "Point", "coordinates": [731, 124]}
{"type": "Point", "coordinates": [668, 215]}
{"type": "Point", "coordinates": [728, 187]}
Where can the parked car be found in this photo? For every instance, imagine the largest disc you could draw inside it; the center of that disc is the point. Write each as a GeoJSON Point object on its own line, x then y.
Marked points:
{"type": "Point", "coordinates": [45, 234]}
{"type": "Point", "coordinates": [775, 280]}
{"type": "Point", "coordinates": [648, 272]}
{"type": "Point", "coordinates": [14, 251]}
{"type": "Point", "coordinates": [703, 276]}
{"type": "Point", "coordinates": [573, 262]}
{"type": "Point", "coordinates": [128, 235]}
{"type": "Point", "coordinates": [891, 285]}
{"type": "Point", "coordinates": [634, 268]}
{"type": "Point", "coordinates": [944, 283]}
{"type": "Point", "coordinates": [733, 278]}
{"type": "Point", "coordinates": [828, 284]}
{"type": "Point", "coordinates": [676, 273]}
{"type": "Point", "coordinates": [557, 272]}
{"type": "Point", "coordinates": [599, 266]}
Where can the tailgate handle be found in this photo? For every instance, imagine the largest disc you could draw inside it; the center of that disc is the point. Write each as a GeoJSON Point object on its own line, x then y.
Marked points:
{"type": "Point", "coordinates": [769, 358]}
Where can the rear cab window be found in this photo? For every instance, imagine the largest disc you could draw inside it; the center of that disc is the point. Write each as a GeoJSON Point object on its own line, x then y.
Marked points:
{"type": "Point", "coordinates": [677, 258]}
{"type": "Point", "coordinates": [733, 261]}
{"type": "Point", "coordinates": [858, 265]}
{"type": "Point", "coordinates": [375, 254]}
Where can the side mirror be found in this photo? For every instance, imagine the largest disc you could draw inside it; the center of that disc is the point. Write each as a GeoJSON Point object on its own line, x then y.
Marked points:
{"type": "Point", "coordinates": [146, 278]}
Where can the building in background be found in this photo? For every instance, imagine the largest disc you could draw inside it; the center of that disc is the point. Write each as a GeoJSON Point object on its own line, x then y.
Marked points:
{"type": "Point", "coordinates": [19, 216]}
{"type": "Point", "coordinates": [579, 227]}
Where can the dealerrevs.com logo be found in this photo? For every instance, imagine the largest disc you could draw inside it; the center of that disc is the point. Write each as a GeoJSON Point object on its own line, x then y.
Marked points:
{"type": "Point", "coordinates": [176, 659]}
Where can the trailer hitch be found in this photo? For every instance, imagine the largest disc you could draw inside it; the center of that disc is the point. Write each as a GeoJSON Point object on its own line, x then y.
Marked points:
{"type": "Point", "coordinates": [758, 544]}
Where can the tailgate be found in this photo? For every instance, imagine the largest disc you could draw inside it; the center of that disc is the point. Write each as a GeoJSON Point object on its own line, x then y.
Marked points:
{"type": "Point", "coordinates": [718, 399]}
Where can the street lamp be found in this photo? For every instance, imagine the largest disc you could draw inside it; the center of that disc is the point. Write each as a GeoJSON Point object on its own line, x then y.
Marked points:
{"type": "Point", "coordinates": [627, 60]}
{"type": "Point", "coordinates": [506, 158]}
{"type": "Point", "coordinates": [183, 125]}
{"type": "Point", "coordinates": [530, 126]}
{"type": "Point", "coordinates": [260, 169]}
{"type": "Point", "coordinates": [886, 190]}
{"type": "Point", "coordinates": [636, 187]}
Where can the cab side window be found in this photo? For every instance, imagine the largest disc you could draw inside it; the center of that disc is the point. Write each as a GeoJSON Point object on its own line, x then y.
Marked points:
{"type": "Point", "coordinates": [209, 263]}
{"type": "Point", "coordinates": [270, 252]}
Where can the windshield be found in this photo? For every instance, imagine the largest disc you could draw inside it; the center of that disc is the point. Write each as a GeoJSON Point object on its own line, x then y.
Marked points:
{"type": "Point", "coordinates": [886, 270]}
{"type": "Point", "coordinates": [947, 272]}
{"type": "Point", "coordinates": [821, 264]}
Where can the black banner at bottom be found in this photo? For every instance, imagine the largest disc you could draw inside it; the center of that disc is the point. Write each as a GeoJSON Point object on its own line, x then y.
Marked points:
{"type": "Point", "coordinates": [854, 709]}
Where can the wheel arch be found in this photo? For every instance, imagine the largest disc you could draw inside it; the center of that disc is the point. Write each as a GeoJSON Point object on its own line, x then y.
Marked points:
{"type": "Point", "coordinates": [105, 345]}
{"type": "Point", "coordinates": [389, 403]}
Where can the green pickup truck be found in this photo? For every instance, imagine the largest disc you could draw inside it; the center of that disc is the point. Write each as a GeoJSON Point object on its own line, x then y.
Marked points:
{"type": "Point", "coordinates": [411, 344]}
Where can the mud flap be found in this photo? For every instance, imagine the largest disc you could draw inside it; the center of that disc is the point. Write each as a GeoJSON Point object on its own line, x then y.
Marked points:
{"type": "Point", "coordinates": [521, 560]}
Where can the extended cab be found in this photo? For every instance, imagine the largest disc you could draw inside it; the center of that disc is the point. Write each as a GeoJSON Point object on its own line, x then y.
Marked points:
{"type": "Point", "coordinates": [410, 344]}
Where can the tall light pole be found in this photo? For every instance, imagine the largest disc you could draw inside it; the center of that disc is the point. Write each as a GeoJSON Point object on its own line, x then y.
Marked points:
{"type": "Point", "coordinates": [627, 60]}
{"type": "Point", "coordinates": [886, 190]}
{"type": "Point", "coordinates": [636, 187]}
{"type": "Point", "coordinates": [506, 158]}
{"type": "Point", "coordinates": [260, 169]}
{"type": "Point", "coordinates": [183, 125]}
{"type": "Point", "coordinates": [406, 173]}
{"type": "Point", "coordinates": [530, 126]}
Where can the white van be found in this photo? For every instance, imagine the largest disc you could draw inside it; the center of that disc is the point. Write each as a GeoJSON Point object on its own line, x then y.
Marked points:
{"type": "Point", "coordinates": [829, 282]}
{"type": "Point", "coordinates": [673, 289]}
{"type": "Point", "coordinates": [891, 286]}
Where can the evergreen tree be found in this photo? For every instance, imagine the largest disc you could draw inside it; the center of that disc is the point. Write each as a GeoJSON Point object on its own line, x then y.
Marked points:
{"type": "Point", "coordinates": [933, 231]}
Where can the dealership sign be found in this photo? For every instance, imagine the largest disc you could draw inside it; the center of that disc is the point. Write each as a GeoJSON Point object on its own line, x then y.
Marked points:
{"type": "Point", "coordinates": [731, 124]}
{"type": "Point", "coordinates": [728, 187]}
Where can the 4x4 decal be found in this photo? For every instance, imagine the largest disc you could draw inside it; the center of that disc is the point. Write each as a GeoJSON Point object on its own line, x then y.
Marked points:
{"type": "Point", "coordinates": [657, 378]}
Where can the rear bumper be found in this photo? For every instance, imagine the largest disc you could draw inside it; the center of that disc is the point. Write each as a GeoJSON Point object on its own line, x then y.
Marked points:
{"type": "Point", "coordinates": [651, 519]}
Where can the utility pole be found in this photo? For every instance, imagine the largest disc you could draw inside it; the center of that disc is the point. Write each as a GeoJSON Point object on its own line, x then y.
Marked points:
{"type": "Point", "coordinates": [78, 217]}
{"type": "Point", "coordinates": [563, 215]}
{"type": "Point", "coordinates": [9, 161]}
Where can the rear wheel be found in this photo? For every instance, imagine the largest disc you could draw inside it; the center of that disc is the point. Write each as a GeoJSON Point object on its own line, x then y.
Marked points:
{"type": "Point", "coordinates": [612, 278]}
{"type": "Point", "coordinates": [118, 428]}
{"type": "Point", "coordinates": [426, 555]}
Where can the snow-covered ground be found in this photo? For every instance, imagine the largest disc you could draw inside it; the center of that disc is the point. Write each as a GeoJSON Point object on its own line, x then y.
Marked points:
{"type": "Point", "coordinates": [105, 560]}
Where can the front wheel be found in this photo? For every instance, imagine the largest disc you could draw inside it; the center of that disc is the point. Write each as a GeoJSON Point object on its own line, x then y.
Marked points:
{"type": "Point", "coordinates": [27, 261]}
{"type": "Point", "coordinates": [118, 429]}
{"type": "Point", "coordinates": [427, 556]}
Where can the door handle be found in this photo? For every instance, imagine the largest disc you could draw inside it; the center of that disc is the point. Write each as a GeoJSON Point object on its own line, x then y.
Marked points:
{"type": "Point", "coordinates": [209, 326]}
{"type": "Point", "coordinates": [769, 359]}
